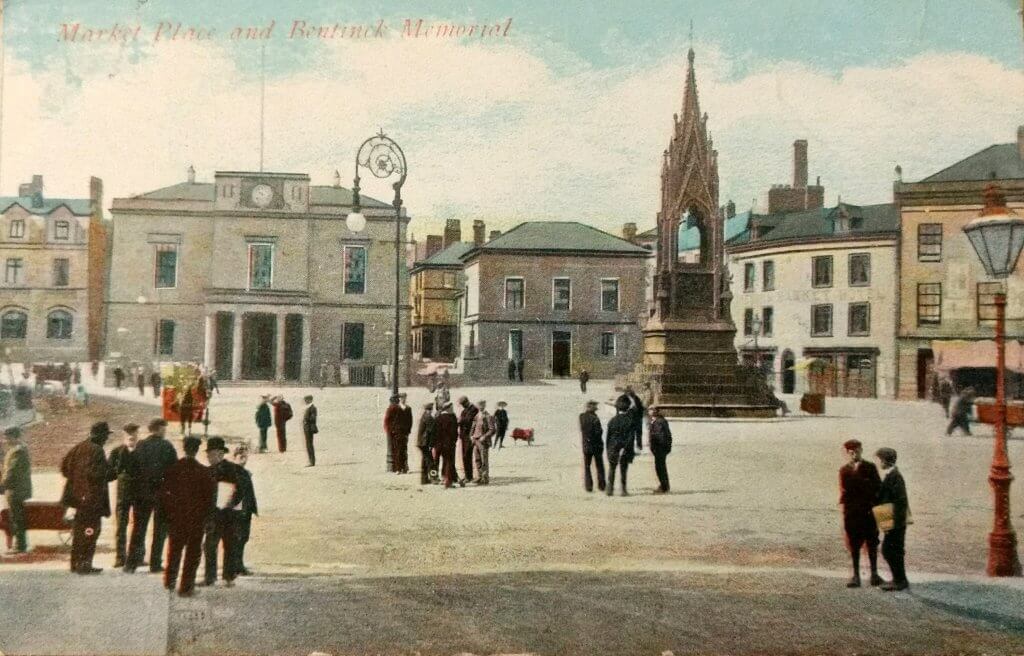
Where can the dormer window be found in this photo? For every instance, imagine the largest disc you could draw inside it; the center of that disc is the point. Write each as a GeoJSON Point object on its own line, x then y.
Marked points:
{"type": "Point", "coordinates": [62, 230]}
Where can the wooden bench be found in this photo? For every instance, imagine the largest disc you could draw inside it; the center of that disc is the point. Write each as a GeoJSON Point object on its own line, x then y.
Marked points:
{"type": "Point", "coordinates": [39, 516]}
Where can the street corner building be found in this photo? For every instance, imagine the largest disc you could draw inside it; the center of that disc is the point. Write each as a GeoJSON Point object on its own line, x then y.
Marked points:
{"type": "Point", "coordinates": [946, 299]}
{"type": "Point", "coordinates": [256, 276]}
{"type": "Point", "coordinates": [53, 253]}
{"type": "Point", "coordinates": [559, 297]}
{"type": "Point", "coordinates": [815, 290]}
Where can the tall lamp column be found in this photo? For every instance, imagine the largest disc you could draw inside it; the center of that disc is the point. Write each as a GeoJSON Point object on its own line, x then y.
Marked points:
{"type": "Point", "coordinates": [997, 237]}
{"type": "Point", "coordinates": [385, 159]}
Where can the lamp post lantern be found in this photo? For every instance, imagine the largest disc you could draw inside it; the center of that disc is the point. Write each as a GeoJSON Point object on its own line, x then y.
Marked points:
{"type": "Point", "coordinates": [997, 237]}
{"type": "Point", "coordinates": [385, 159]}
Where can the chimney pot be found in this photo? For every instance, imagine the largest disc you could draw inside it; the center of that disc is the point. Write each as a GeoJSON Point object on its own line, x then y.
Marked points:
{"type": "Point", "coordinates": [629, 231]}
{"type": "Point", "coordinates": [479, 230]}
{"type": "Point", "coordinates": [800, 163]}
{"type": "Point", "coordinates": [191, 174]}
{"type": "Point", "coordinates": [452, 232]}
{"type": "Point", "coordinates": [337, 178]}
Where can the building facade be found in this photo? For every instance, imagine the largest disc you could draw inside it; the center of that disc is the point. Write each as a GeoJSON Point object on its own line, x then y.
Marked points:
{"type": "Point", "coordinates": [814, 294]}
{"type": "Point", "coordinates": [53, 251]}
{"type": "Point", "coordinates": [944, 292]}
{"type": "Point", "coordinates": [256, 276]}
{"type": "Point", "coordinates": [558, 296]}
{"type": "Point", "coordinates": [436, 286]}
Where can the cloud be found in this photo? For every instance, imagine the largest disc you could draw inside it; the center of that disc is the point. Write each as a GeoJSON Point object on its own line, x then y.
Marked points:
{"type": "Point", "coordinates": [493, 130]}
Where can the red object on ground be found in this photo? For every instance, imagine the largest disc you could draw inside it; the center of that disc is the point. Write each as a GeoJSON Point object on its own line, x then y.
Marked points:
{"type": "Point", "coordinates": [169, 403]}
{"type": "Point", "coordinates": [525, 434]}
{"type": "Point", "coordinates": [39, 516]}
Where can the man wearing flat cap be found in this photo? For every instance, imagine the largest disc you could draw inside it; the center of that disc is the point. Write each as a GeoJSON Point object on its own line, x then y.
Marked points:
{"type": "Point", "coordinates": [153, 456]}
{"type": "Point", "coordinates": [894, 491]}
{"type": "Point", "coordinates": [87, 472]}
{"type": "Point", "coordinates": [126, 468]}
{"type": "Point", "coordinates": [16, 485]}
{"type": "Point", "coordinates": [187, 496]}
{"type": "Point", "coordinates": [446, 433]}
{"type": "Point", "coordinates": [858, 491]}
{"type": "Point", "coordinates": [222, 523]}
{"type": "Point", "coordinates": [425, 442]}
{"type": "Point", "coordinates": [593, 448]}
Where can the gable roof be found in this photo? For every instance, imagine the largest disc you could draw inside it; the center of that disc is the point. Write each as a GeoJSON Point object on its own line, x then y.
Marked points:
{"type": "Point", "coordinates": [447, 257]}
{"type": "Point", "coordinates": [559, 236]}
{"type": "Point", "coordinates": [77, 206]}
{"type": "Point", "coordinates": [819, 223]}
{"type": "Point", "coordinates": [997, 162]}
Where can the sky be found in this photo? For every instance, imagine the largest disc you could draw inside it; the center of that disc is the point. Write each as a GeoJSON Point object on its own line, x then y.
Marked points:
{"type": "Point", "coordinates": [560, 114]}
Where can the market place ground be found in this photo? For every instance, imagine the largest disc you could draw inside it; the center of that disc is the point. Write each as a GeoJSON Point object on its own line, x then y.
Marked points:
{"type": "Point", "coordinates": [752, 513]}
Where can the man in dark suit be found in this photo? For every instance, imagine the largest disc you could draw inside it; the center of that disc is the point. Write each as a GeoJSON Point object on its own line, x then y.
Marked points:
{"type": "Point", "coordinates": [659, 439]}
{"type": "Point", "coordinates": [16, 485]}
{"type": "Point", "coordinates": [246, 510]}
{"type": "Point", "coordinates": [637, 413]}
{"type": "Point", "coordinates": [619, 444]}
{"type": "Point", "coordinates": [263, 421]}
{"type": "Point", "coordinates": [446, 434]}
{"type": "Point", "coordinates": [402, 439]}
{"type": "Point", "coordinates": [309, 428]}
{"type": "Point", "coordinates": [467, 417]}
{"type": "Point", "coordinates": [186, 496]}
{"type": "Point", "coordinates": [425, 442]}
{"type": "Point", "coordinates": [282, 415]}
{"type": "Point", "coordinates": [591, 435]}
{"type": "Point", "coordinates": [87, 472]}
{"type": "Point", "coordinates": [222, 523]}
{"type": "Point", "coordinates": [391, 430]}
{"type": "Point", "coordinates": [125, 466]}
{"type": "Point", "coordinates": [153, 456]}
{"type": "Point", "coordinates": [858, 492]}
{"type": "Point", "coordinates": [894, 490]}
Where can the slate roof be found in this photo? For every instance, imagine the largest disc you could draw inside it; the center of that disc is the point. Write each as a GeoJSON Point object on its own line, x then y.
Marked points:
{"type": "Point", "coordinates": [820, 223]}
{"type": "Point", "coordinates": [689, 238]}
{"type": "Point", "coordinates": [997, 162]}
{"type": "Point", "coordinates": [78, 206]}
{"type": "Point", "coordinates": [204, 191]}
{"type": "Point", "coordinates": [565, 236]}
{"type": "Point", "coordinates": [447, 257]}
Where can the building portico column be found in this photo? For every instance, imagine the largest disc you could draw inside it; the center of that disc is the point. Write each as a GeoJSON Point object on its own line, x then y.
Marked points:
{"type": "Point", "coordinates": [210, 334]}
{"type": "Point", "coordinates": [236, 346]}
{"type": "Point", "coordinates": [279, 348]}
{"type": "Point", "coordinates": [304, 373]}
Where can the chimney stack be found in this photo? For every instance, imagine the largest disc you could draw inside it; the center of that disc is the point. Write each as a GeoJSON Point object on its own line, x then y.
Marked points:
{"type": "Point", "coordinates": [1020, 141]}
{"type": "Point", "coordinates": [434, 245]}
{"type": "Point", "coordinates": [337, 178]}
{"type": "Point", "coordinates": [191, 174]}
{"type": "Point", "coordinates": [32, 189]}
{"type": "Point", "coordinates": [452, 232]}
{"type": "Point", "coordinates": [629, 231]}
{"type": "Point", "coordinates": [494, 235]}
{"type": "Point", "coordinates": [730, 209]}
{"type": "Point", "coordinates": [800, 163]}
{"type": "Point", "coordinates": [479, 230]}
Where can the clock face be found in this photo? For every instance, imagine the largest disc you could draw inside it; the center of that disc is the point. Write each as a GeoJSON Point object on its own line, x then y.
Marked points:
{"type": "Point", "coordinates": [261, 195]}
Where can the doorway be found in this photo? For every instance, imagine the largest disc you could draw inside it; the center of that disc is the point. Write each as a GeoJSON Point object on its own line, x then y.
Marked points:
{"type": "Point", "coordinates": [925, 372]}
{"type": "Point", "coordinates": [788, 372]}
{"type": "Point", "coordinates": [224, 344]}
{"type": "Point", "coordinates": [293, 347]}
{"type": "Point", "coordinates": [259, 345]}
{"type": "Point", "coordinates": [561, 348]}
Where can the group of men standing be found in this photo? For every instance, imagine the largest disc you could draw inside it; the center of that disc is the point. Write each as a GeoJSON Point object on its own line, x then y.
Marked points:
{"type": "Point", "coordinates": [622, 443]}
{"type": "Point", "coordinates": [275, 411]}
{"type": "Point", "coordinates": [198, 508]}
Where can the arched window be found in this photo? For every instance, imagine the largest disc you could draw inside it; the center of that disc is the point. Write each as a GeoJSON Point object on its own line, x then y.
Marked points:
{"type": "Point", "coordinates": [13, 325]}
{"type": "Point", "coordinates": [58, 325]}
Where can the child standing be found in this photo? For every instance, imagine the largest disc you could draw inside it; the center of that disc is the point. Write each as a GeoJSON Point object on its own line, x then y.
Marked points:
{"type": "Point", "coordinates": [501, 423]}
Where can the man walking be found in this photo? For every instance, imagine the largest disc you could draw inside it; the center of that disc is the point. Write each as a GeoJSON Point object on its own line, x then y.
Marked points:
{"type": "Point", "coordinates": [466, 418]}
{"type": "Point", "coordinates": [309, 429]}
{"type": "Point", "coordinates": [483, 431]}
{"type": "Point", "coordinates": [140, 380]}
{"type": "Point", "coordinates": [282, 415]}
{"type": "Point", "coordinates": [404, 429]}
{"type": "Point", "coordinates": [126, 469]}
{"type": "Point", "coordinates": [222, 523]}
{"type": "Point", "coordinates": [263, 421]}
{"type": "Point", "coordinates": [446, 434]}
{"type": "Point", "coordinates": [118, 378]}
{"type": "Point", "coordinates": [16, 486]}
{"type": "Point", "coordinates": [153, 456]}
{"type": "Point", "coordinates": [619, 444]}
{"type": "Point", "coordinates": [425, 443]}
{"type": "Point", "coordinates": [187, 497]}
{"type": "Point", "coordinates": [659, 439]}
{"type": "Point", "coordinates": [593, 447]}
{"type": "Point", "coordinates": [87, 472]}
{"type": "Point", "coordinates": [584, 379]}
{"type": "Point", "coordinates": [155, 382]}
{"type": "Point", "coordinates": [961, 412]}
{"type": "Point", "coordinates": [894, 490]}
{"type": "Point", "coordinates": [858, 491]}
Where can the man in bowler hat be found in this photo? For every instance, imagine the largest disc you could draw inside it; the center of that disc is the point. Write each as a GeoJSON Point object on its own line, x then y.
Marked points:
{"type": "Point", "coordinates": [16, 485]}
{"type": "Point", "coordinates": [894, 490]}
{"type": "Point", "coordinates": [858, 492]}
{"type": "Point", "coordinates": [87, 472]}
{"type": "Point", "coordinates": [222, 523]}
{"type": "Point", "coordinates": [186, 497]}
{"type": "Point", "coordinates": [593, 448]}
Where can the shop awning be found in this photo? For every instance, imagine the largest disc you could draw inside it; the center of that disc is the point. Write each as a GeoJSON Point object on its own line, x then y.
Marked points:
{"type": "Point", "coordinates": [805, 363]}
{"type": "Point", "coordinates": [963, 354]}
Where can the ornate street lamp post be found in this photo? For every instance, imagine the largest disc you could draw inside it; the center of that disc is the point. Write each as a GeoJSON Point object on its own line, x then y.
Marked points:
{"type": "Point", "coordinates": [997, 236]}
{"type": "Point", "coordinates": [385, 159]}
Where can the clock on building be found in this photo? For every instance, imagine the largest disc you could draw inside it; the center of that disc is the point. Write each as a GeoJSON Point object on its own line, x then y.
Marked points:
{"type": "Point", "coordinates": [261, 195]}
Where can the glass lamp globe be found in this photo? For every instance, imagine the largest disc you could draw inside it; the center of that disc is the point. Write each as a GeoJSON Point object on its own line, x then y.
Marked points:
{"type": "Point", "coordinates": [355, 221]}
{"type": "Point", "coordinates": [997, 235]}
{"type": "Point", "coordinates": [141, 300]}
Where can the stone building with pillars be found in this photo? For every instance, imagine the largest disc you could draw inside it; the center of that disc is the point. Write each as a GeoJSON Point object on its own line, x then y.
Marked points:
{"type": "Point", "coordinates": [257, 277]}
